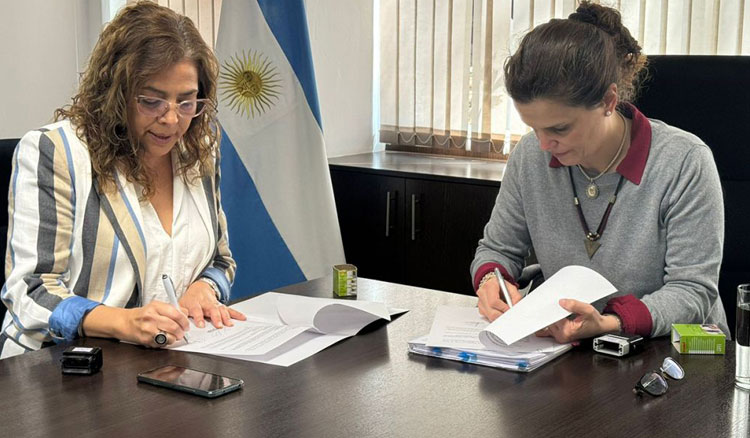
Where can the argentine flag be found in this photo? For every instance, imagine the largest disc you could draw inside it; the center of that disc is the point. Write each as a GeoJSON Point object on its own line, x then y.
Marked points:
{"type": "Point", "coordinates": [276, 187]}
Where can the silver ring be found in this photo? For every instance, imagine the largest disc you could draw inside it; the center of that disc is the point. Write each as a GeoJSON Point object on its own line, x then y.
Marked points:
{"type": "Point", "coordinates": [160, 338]}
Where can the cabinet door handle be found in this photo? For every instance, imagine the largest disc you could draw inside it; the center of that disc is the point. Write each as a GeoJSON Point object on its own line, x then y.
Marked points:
{"type": "Point", "coordinates": [414, 202]}
{"type": "Point", "coordinates": [390, 198]}
{"type": "Point", "coordinates": [387, 214]}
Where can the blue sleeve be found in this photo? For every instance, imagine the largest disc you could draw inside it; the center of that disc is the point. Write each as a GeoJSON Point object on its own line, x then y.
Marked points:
{"type": "Point", "coordinates": [67, 317]}
{"type": "Point", "coordinates": [221, 280]}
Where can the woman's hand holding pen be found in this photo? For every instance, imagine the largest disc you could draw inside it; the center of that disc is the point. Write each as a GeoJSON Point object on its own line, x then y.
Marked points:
{"type": "Point", "coordinates": [199, 302]}
{"type": "Point", "coordinates": [137, 325]}
{"type": "Point", "coordinates": [155, 317]}
{"type": "Point", "coordinates": [491, 305]}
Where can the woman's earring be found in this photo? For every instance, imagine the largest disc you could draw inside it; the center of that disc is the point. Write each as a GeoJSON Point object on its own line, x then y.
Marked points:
{"type": "Point", "coordinates": [608, 113]}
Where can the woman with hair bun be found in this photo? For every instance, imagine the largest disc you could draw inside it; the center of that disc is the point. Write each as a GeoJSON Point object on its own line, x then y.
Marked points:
{"type": "Point", "coordinates": [599, 184]}
{"type": "Point", "coordinates": [120, 191]}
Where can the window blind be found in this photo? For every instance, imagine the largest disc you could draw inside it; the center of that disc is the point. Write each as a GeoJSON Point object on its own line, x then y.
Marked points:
{"type": "Point", "coordinates": [442, 83]}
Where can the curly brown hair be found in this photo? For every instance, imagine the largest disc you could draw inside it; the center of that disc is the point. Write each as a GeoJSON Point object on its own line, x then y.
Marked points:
{"type": "Point", "coordinates": [576, 60]}
{"type": "Point", "coordinates": [141, 41]}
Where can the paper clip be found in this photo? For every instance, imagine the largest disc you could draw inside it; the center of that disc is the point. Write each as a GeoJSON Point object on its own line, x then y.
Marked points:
{"type": "Point", "coordinates": [437, 351]}
{"type": "Point", "coordinates": [467, 357]}
{"type": "Point", "coordinates": [522, 365]}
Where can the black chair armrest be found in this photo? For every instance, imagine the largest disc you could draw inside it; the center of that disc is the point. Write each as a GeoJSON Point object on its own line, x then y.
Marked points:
{"type": "Point", "coordinates": [531, 277]}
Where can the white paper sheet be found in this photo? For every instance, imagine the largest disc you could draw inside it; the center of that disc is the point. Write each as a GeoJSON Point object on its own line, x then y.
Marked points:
{"type": "Point", "coordinates": [244, 338]}
{"type": "Point", "coordinates": [330, 315]}
{"type": "Point", "coordinates": [261, 307]}
{"type": "Point", "coordinates": [520, 362]}
{"type": "Point", "coordinates": [268, 337]}
{"type": "Point", "coordinates": [299, 348]}
{"type": "Point", "coordinates": [459, 328]}
{"type": "Point", "coordinates": [542, 308]}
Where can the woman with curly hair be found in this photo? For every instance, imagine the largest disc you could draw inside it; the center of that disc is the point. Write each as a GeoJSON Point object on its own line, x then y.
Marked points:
{"type": "Point", "coordinates": [120, 191]}
{"type": "Point", "coordinates": [600, 185]}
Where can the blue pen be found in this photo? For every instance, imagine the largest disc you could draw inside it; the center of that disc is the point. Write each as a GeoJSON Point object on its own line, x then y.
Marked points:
{"type": "Point", "coordinates": [503, 287]}
{"type": "Point", "coordinates": [169, 286]}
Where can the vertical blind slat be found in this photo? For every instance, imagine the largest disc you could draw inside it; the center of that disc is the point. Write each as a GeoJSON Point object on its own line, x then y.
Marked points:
{"type": "Point", "coordinates": [460, 65]}
{"type": "Point", "coordinates": [204, 20]}
{"type": "Point", "coordinates": [741, 29]}
{"type": "Point", "coordinates": [651, 25]}
{"type": "Point", "coordinates": [405, 78]}
{"type": "Point", "coordinates": [663, 26]}
{"type": "Point", "coordinates": [745, 29]}
{"type": "Point", "coordinates": [431, 63]}
{"type": "Point", "coordinates": [414, 68]}
{"type": "Point", "coordinates": [441, 67]}
{"type": "Point", "coordinates": [190, 9]}
{"type": "Point", "coordinates": [389, 51]}
{"type": "Point", "coordinates": [728, 43]}
{"type": "Point", "coordinates": [642, 21]}
{"type": "Point", "coordinates": [486, 122]}
{"type": "Point", "coordinates": [216, 15]}
{"type": "Point", "coordinates": [423, 72]}
{"type": "Point", "coordinates": [689, 27]}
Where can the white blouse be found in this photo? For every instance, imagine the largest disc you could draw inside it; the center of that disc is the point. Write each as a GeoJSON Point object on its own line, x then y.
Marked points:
{"type": "Point", "coordinates": [182, 256]}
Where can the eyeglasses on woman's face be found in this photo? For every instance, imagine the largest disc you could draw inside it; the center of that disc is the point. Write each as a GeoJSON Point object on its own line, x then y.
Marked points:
{"type": "Point", "coordinates": [156, 107]}
{"type": "Point", "coordinates": [654, 383]}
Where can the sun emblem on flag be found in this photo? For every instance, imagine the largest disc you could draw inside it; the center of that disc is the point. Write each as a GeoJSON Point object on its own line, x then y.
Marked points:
{"type": "Point", "coordinates": [249, 83]}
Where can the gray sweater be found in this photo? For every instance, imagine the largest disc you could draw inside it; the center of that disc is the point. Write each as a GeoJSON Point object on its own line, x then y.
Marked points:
{"type": "Point", "coordinates": [663, 240]}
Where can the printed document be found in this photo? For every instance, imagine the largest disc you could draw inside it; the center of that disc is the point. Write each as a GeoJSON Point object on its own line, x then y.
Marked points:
{"type": "Point", "coordinates": [460, 327]}
{"type": "Point", "coordinates": [455, 336]}
{"type": "Point", "coordinates": [283, 329]}
{"type": "Point", "coordinates": [509, 342]}
{"type": "Point", "coordinates": [542, 308]}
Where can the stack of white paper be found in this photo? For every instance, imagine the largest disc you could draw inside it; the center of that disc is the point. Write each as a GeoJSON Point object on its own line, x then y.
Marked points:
{"type": "Point", "coordinates": [461, 333]}
{"type": "Point", "coordinates": [455, 335]}
{"type": "Point", "coordinates": [284, 329]}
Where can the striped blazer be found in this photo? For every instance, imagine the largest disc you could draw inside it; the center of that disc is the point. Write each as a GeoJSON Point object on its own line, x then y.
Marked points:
{"type": "Point", "coordinates": [72, 245]}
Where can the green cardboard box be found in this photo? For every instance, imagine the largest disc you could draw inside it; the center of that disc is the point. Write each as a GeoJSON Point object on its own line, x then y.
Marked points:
{"type": "Point", "coordinates": [698, 339]}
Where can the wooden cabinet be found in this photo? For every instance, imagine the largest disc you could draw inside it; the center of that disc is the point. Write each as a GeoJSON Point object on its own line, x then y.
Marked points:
{"type": "Point", "coordinates": [412, 229]}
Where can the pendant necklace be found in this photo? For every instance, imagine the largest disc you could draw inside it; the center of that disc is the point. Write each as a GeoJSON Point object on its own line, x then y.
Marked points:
{"type": "Point", "coordinates": [592, 239]}
{"type": "Point", "coordinates": [592, 191]}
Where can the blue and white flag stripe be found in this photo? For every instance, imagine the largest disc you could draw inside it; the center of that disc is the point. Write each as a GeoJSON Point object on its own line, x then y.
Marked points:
{"type": "Point", "coordinates": [289, 25]}
{"type": "Point", "coordinates": [276, 188]}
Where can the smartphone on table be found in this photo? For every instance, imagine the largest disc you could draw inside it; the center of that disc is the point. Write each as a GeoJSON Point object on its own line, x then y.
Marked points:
{"type": "Point", "coordinates": [192, 381]}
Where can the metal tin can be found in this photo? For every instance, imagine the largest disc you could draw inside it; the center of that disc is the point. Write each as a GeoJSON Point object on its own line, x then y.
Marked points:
{"type": "Point", "coordinates": [344, 281]}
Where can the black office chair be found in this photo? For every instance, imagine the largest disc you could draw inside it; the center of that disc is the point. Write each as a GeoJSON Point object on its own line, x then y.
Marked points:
{"type": "Point", "coordinates": [708, 96]}
{"type": "Point", "coordinates": [531, 276]}
{"type": "Point", "coordinates": [7, 146]}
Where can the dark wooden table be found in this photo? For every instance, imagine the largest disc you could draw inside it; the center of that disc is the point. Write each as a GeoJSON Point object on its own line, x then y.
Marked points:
{"type": "Point", "coordinates": [369, 385]}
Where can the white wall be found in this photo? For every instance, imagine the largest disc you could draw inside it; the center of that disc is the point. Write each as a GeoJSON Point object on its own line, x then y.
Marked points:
{"type": "Point", "coordinates": [40, 45]}
{"type": "Point", "coordinates": [341, 36]}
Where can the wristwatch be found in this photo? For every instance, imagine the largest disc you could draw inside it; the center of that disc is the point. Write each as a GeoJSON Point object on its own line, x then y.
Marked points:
{"type": "Point", "coordinates": [213, 286]}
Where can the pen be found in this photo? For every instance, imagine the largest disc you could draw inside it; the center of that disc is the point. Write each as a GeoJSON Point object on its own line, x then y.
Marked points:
{"type": "Point", "coordinates": [169, 286]}
{"type": "Point", "coordinates": [503, 288]}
